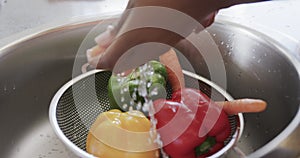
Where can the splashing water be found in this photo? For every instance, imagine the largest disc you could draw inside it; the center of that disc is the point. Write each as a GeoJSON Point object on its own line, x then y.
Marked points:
{"type": "Point", "coordinates": [145, 72]}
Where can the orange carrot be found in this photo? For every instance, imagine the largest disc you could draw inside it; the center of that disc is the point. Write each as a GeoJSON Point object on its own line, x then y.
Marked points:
{"type": "Point", "coordinates": [243, 106]}
{"type": "Point", "coordinates": [176, 78]}
{"type": "Point", "coordinates": [174, 70]}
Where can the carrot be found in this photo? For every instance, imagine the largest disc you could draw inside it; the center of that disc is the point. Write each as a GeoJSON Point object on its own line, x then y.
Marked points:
{"type": "Point", "coordinates": [176, 78]}
{"type": "Point", "coordinates": [243, 106]}
{"type": "Point", "coordinates": [174, 70]}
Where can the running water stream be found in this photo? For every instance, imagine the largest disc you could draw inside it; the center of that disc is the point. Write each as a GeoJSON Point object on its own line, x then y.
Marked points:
{"type": "Point", "coordinates": [144, 72]}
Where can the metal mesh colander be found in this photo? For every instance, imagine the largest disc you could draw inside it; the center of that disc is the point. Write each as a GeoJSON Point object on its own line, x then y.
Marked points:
{"type": "Point", "coordinates": [77, 104]}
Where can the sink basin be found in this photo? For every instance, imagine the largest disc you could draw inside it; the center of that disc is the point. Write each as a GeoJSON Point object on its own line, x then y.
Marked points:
{"type": "Point", "coordinates": [33, 69]}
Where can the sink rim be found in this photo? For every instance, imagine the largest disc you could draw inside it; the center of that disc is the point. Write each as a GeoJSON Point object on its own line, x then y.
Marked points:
{"type": "Point", "coordinates": [293, 124]}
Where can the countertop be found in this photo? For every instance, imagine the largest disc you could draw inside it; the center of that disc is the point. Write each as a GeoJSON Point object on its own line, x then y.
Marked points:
{"type": "Point", "coordinates": [277, 19]}
{"type": "Point", "coordinates": [21, 17]}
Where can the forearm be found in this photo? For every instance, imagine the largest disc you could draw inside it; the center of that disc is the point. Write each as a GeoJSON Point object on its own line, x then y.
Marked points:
{"type": "Point", "coordinates": [146, 21]}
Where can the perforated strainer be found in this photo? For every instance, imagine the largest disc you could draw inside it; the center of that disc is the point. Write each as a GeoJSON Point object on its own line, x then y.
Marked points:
{"type": "Point", "coordinates": [77, 104]}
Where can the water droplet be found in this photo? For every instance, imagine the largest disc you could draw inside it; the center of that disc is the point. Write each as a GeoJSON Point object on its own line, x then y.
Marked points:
{"type": "Point", "coordinates": [134, 96]}
{"type": "Point", "coordinates": [119, 80]}
{"type": "Point", "coordinates": [139, 106]}
{"type": "Point", "coordinates": [247, 135]}
{"type": "Point", "coordinates": [173, 109]}
{"type": "Point", "coordinates": [131, 103]}
{"type": "Point", "coordinates": [154, 121]}
{"type": "Point", "coordinates": [142, 90]}
{"type": "Point", "coordinates": [145, 108]}
{"type": "Point", "coordinates": [130, 108]}
{"type": "Point", "coordinates": [122, 74]}
{"type": "Point", "coordinates": [126, 89]}
{"type": "Point", "coordinates": [154, 91]}
{"type": "Point", "coordinates": [124, 106]}
{"type": "Point", "coordinates": [122, 99]}
{"type": "Point", "coordinates": [259, 60]}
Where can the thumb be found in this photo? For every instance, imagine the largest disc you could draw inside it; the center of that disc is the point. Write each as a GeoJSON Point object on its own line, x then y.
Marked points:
{"type": "Point", "coordinates": [110, 56]}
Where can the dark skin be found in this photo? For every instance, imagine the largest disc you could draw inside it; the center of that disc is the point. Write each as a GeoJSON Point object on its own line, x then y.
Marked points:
{"type": "Point", "coordinates": [202, 11]}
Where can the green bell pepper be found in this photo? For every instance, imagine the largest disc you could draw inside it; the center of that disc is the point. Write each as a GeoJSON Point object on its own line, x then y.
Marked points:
{"type": "Point", "coordinates": [127, 91]}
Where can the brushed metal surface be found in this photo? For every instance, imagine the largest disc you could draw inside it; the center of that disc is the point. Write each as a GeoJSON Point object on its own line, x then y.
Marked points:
{"type": "Point", "coordinates": [33, 70]}
{"type": "Point", "coordinates": [31, 73]}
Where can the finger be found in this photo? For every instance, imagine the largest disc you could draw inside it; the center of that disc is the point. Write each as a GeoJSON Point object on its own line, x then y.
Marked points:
{"type": "Point", "coordinates": [93, 55]}
{"type": "Point", "coordinates": [105, 38]}
{"type": "Point", "coordinates": [137, 47]}
{"type": "Point", "coordinates": [103, 41]}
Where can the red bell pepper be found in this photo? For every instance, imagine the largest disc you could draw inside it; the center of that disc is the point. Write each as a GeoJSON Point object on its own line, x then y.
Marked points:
{"type": "Point", "coordinates": [179, 121]}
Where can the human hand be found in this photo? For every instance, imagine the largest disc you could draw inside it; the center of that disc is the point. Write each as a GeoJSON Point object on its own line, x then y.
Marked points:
{"type": "Point", "coordinates": [112, 46]}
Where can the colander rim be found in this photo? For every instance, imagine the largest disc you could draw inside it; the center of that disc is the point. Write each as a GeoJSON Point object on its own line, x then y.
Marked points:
{"type": "Point", "coordinates": [79, 152]}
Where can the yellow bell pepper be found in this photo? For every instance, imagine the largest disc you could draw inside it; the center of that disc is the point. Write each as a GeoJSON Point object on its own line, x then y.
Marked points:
{"type": "Point", "coordinates": [117, 134]}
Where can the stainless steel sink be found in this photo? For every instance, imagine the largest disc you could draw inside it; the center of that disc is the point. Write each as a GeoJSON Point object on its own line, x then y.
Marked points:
{"type": "Point", "coordinates": [33, 69]}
